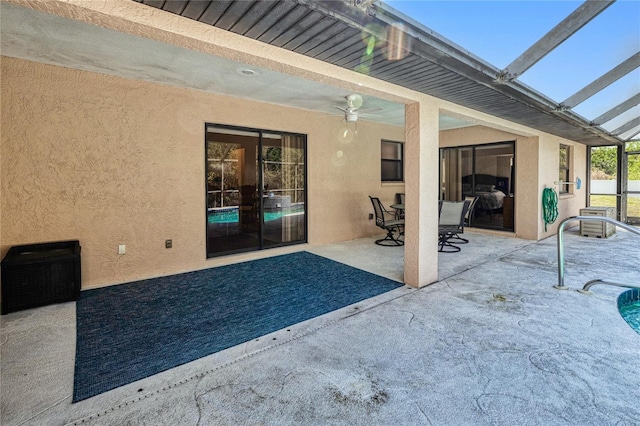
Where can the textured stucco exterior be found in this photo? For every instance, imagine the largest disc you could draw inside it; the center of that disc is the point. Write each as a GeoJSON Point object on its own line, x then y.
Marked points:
{"type": "Point", "coordinates": [571, 203]}
{"type": "Point", "coordinates": [125, 165]}
{"type": "Point", "coordinates": [111, 160]}
{"type": "Point", "coordinates": [421, 186]}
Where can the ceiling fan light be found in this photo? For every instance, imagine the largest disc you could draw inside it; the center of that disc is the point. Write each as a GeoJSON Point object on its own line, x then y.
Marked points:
{"type": "Point", "coordinates": [354, 101]}
{"type": "Point", "coordinates": [351, 116]}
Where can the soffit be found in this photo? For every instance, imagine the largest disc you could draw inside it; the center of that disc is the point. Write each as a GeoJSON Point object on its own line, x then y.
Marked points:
{"type": "Point", "coordinates": [48, 38]}
{"type": "Point", "coordinates": [358, 37]}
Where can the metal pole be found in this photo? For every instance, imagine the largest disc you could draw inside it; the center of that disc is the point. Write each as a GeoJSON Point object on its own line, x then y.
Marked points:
{"type": "Point", "coordinates": [588, 285]}
{"type": "Point", "coordinates": [560, 285]}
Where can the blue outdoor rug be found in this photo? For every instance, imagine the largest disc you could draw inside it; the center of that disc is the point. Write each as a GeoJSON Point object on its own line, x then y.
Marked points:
{"type": "Point", "coordinates": [131, 331]}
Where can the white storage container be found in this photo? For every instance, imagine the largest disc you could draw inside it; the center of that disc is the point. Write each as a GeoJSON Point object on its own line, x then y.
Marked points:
{"type": "Point", "coordinates": [597, 229]}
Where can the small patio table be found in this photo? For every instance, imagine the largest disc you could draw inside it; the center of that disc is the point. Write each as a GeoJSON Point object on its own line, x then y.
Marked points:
{"type": "Point", "coordinates": [399, 210]}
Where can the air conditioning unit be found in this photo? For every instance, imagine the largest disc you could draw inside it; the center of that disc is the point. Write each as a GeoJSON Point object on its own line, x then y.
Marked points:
{"type": "Point", "coordinates": [597, 229]}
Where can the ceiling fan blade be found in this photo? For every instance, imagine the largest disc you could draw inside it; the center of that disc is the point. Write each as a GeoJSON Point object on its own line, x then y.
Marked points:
{"type": "Point", "coordinates": [370, 110]}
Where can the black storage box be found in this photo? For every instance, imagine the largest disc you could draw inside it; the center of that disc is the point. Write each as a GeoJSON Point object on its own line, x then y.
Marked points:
{"type": "Point", "coordinates": [40, 274]}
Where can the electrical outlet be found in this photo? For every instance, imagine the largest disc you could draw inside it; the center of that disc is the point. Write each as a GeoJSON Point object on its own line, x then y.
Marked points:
{"type": "Point", "coordinates": [168, 243]}
{"type": "Point", "coordinates": [121, 249]}
{"type": "Point", "coordinates": [370, 216]}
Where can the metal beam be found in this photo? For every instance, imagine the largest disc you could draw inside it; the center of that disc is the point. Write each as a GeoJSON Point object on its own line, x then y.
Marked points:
{"type": "Point", "coordinates": [617, 110]}
{"type": "Point", "coordinates": [627, 126]}
{"type": "Point", "coordinates": [565, 29]}
{"type": "Point", "coordinates": [600, 83]}
{"type": "Point", "coordinates": [630, 138]}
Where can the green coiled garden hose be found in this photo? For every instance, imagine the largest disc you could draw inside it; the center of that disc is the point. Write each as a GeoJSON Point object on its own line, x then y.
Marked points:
{"type": "Point", "coordinates": [549, 206]}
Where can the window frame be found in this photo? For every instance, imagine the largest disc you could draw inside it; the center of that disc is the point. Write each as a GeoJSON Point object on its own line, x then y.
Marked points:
{"type": "Point", "coordinates": [257, 203]}
{"type": "Point", "coordinates": [399, 162]}
{"type": "Point", "coordinates": [564, 170]}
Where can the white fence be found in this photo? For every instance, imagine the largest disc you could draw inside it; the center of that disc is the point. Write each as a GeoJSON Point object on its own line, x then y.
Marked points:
{"type": "Point", "coordinates": [609, 187]}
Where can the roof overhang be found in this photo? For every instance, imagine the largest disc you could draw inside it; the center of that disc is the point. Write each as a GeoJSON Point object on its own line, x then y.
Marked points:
{"type": "Point", "coordinates": [372, 38]}
{"type": "Point", "coordinates": [367, 37]}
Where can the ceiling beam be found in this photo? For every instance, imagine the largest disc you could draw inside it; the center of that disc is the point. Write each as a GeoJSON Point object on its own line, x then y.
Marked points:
{"type": "Point", "coordinates": [600, 83]}
{"type": "Point", "coordinates": [565, 29]}
{"type": "Point", "coordinates": [617, 110]}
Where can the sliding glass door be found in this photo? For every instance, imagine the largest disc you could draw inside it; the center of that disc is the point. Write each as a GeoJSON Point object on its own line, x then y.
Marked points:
{"type": "Point", "coordinates": [483, 172]}
{"type": "Point", "coordinates": [256, 196]}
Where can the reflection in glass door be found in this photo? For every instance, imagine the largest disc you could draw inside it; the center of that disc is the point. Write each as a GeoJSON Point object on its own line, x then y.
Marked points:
{"type": "Point", "coordinates": [283, 199]}
{"type": "Point", "coordinates": [255, 189]}
{"type": "Point", "coordinates": [485, 173]}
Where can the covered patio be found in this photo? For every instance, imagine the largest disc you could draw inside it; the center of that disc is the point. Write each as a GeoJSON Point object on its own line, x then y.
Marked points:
{"type": "Point", "coordinates": [492, 342]}
{"type": "Point", "coordinates": [108, 117]}
{"type": "Point", "coordinates": [166, 71]}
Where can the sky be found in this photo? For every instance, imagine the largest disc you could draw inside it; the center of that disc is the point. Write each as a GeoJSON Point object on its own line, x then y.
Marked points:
{"type": "Point", "coordinates": [500, 31]}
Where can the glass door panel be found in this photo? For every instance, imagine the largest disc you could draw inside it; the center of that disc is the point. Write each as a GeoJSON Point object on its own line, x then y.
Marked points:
{"type": "Point", "coordinates": [233, 221]}
{"type": "Point", "coordinates": [456, 163]}
{"type": "Point", "coordinates": [493, 185]}
{"type": "Point", "coordinates": [283, 199]}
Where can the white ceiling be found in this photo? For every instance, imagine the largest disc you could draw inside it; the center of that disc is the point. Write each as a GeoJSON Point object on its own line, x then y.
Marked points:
{"type": "Point", "coordinates": [40, 37]}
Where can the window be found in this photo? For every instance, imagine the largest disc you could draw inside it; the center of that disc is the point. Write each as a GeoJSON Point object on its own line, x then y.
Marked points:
{"type": "Point", "coordinates": [564, 169]}
{"type": "Point", "coordinates": [392, 157]}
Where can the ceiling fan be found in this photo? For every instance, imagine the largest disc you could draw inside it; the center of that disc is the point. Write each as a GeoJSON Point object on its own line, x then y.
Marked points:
{"type": "Point", "coordinates": [354, 102]}
{"type": "Point", "coordinates": [352, 110]}
{"type": "Point", "coordinates": [351, 113]}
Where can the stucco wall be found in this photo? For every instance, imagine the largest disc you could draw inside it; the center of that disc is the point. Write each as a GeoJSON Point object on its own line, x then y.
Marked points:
{"type": "Point", "coordinates": [112, 161]}
{"type": "Point", "coordinates": [568, 204]}
{"type": "Point", "coordinates": [528, 198]}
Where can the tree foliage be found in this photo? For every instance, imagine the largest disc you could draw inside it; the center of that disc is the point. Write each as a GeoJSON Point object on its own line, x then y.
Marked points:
{"type": "Point", "coordinates": [604, 162]}
{"type": "Point", "coordinates": [634, 160]}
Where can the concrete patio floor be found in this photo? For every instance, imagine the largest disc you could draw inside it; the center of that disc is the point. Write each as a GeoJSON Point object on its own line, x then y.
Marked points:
{"type": "Point", "coordinates": [491, 343]}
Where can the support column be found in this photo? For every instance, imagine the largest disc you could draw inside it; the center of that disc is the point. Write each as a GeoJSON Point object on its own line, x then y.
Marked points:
{"type": "Point", "coordinates": [421, 199]}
